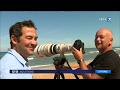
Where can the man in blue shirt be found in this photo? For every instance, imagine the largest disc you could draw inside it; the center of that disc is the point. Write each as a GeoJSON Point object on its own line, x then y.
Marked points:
{"type": "Point", "coordinates": [23, 40]}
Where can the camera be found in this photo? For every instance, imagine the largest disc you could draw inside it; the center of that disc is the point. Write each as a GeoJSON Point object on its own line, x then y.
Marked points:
{"type": "Point", "coordinates": [47, 50]}
{"type": "Point", "coordinates": [79, 44]}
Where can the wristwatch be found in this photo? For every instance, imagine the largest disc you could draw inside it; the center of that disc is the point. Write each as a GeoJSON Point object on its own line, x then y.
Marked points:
{"type": "Point", "coordinates": [78, 61]}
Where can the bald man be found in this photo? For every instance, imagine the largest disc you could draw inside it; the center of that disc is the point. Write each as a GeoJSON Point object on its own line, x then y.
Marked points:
{"type": "Point", "coordinates": [103, 40]}
{"type": "Point", "coordinates": [107, 59]}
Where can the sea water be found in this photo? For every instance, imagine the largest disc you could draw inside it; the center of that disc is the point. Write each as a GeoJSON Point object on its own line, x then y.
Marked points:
{"type": "Point", "coordinates": [34, 62]}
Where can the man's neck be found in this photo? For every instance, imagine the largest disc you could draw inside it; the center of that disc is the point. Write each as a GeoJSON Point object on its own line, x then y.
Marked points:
{"type": "Point", "coordinates": [104, 51]}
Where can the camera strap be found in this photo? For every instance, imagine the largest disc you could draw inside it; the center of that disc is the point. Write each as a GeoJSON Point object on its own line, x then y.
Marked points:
{"type": "Point", "coordinates": [71, 69]}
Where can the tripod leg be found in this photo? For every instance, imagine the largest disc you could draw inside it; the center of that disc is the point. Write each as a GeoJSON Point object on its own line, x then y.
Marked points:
{"type": "Point", "coordinates": [57, 76]}
{"type": "Point", "coordinates": [62, 75]}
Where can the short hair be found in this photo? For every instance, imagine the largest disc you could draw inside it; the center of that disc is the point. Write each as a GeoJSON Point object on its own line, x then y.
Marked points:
{"type": "Point", "coordinates": [16, 29]}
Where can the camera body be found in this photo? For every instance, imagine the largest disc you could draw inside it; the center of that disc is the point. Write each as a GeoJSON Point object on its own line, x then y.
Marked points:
{"type": "Point", "coordinates": [79, 44]}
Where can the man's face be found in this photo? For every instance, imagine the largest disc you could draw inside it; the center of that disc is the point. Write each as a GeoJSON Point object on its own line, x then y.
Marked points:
{"type": "Point", "coordinates": [102, 40]}
{"type": "Point", "coordinates": [28, 42]}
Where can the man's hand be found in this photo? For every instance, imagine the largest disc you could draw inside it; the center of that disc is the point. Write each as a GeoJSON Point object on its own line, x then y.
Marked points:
{"type": "Point", "coordinates": [77, 54]}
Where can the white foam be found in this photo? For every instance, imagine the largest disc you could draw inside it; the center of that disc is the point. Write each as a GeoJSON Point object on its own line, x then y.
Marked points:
{"type": "Point", "coordinates": [41, 65]}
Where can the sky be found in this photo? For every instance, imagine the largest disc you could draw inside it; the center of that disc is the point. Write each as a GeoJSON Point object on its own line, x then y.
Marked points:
{"type": "Point", "coordinates": [62, 27]}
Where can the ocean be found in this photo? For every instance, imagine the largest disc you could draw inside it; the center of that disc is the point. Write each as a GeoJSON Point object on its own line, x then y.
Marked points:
{"type": "Point", "coordinates": [45, 62]}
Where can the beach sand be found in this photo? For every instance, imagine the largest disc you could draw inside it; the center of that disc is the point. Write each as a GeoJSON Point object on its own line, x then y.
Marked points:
{"type": "Point", "coordinates": [51, 75]}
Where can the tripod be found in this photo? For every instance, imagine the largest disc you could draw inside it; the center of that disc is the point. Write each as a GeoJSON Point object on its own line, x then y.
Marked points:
{"type": "Point", "coordinates": [59, 62]}
{"type": "Point", "coordinates": [57, 76]}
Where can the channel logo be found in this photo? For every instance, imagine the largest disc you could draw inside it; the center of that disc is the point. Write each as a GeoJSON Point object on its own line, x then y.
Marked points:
{"type": "Point", "coordinates": [106, 19]}
{"type": "Point", "coordinates": [13, 71]}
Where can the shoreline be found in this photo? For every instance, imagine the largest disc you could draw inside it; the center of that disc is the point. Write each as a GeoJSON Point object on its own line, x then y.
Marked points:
{"type": "Point", "coordinates": [51, 75]}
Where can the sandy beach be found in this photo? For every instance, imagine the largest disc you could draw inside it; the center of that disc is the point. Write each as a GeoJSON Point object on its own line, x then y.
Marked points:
{"type": "Point", "coordinates": [51, 75]}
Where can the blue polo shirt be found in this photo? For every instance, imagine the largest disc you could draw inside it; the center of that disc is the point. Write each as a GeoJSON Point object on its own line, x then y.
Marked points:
{"type": "Point", "coordinates": [13, 61]}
